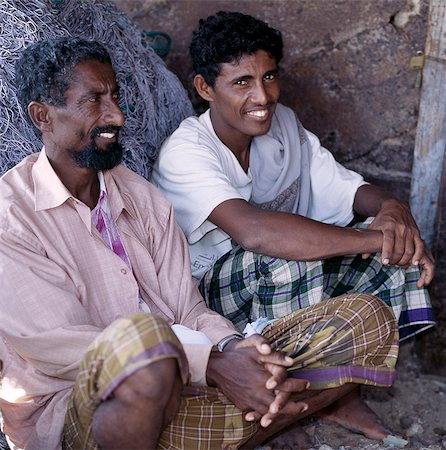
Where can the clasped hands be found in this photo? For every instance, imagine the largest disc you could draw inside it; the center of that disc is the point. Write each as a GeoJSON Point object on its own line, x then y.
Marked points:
{"type": "Point", "coordinates": [254, 378]}
{"type": "Point", "coordinates": [402, 243]}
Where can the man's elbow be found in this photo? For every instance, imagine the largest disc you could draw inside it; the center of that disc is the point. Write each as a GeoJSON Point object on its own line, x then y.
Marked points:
{"type": "Point", "coordinates": [250, 240]}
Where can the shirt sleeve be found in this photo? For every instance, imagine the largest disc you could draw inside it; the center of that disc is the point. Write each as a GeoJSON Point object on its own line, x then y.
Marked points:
{"type": "Point", "coordinates": [333, 187]}
{"type": "Point", "coordinates": [193, 179]}
{"type": "Point", "coordinates": [42, 305]}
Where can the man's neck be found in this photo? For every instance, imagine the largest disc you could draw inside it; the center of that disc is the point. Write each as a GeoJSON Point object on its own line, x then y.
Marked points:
{"type": "Point", "coordinates": [81, 182]}
{"type": "Point", "coordinates": [237, 143]}
{"type": "Point", "coordinates": [86, 190]}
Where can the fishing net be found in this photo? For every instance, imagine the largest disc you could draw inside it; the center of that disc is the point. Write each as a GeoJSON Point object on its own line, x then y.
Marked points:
{"type": "Point", "coordinates": [153, 98]}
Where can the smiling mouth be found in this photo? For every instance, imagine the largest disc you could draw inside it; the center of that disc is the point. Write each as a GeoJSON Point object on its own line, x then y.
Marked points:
{"type": "Point", "coordinates": [107, 135]}
{"type": "Point", "coordinates": [259, 114]}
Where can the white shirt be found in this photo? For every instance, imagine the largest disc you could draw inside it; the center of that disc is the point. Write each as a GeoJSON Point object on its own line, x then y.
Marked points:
{"type": "Point", "coordinates": [197, 172]}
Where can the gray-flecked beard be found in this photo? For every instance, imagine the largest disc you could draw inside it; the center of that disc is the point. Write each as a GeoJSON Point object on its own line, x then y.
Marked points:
{"type": "Point", "coordinates": [93, 157]}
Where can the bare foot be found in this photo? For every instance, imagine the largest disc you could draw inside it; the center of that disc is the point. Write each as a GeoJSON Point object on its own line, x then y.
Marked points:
{"type": "Point", "coordinates": [293, 438]}
{"type": "Point", "coordinates": [352, 413]}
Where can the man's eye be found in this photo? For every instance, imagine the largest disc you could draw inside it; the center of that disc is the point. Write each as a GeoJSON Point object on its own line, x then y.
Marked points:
{"type": "Point", "coordinates": [93, 99]}
{"type": "Point", "coordinates": [241, 82]}
{"type": "Point", "coordinates": [270, 76]}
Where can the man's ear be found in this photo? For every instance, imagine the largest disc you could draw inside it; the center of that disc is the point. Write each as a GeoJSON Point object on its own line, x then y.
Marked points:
{"type": "Point", "coordinates": [39, 114]}
{"type": "Point", "coordinates": [204, 90]}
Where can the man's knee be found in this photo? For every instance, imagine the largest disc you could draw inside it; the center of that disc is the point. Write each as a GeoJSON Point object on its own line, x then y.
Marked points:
{"type": "Point", "coordinates": [367, 313]}
{"type": "Point", "coordinates": [141, 323]}
{"type": "Point", "coordinates": [375, 308]}
{"type": "Point", "coordinates": [141, 406]}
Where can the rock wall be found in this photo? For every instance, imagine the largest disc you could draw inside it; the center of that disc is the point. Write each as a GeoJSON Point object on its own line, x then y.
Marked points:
{"type": "Point", "coordinates": [349, 73]}
{"type": "Point", "coordinates": [346, 70]}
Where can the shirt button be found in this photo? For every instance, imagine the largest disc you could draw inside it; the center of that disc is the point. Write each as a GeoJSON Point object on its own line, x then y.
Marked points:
{"type": "Point", "coordinates": [124, 271]}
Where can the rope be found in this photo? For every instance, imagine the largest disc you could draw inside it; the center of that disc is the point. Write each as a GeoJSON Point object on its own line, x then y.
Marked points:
{"type": "Point", "coordinates": [153, 99]}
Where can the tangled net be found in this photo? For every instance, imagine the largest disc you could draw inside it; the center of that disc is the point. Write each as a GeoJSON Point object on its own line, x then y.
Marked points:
{"type": "Point", "coordinates": [153, 98]}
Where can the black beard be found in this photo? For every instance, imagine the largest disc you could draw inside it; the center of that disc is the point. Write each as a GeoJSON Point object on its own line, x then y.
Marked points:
{"type": "Point", "coordinates": [91, 156]}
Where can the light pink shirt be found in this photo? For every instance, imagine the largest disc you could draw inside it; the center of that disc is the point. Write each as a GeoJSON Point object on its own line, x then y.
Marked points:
{"type": "Point", "coordinates": [61, 286]}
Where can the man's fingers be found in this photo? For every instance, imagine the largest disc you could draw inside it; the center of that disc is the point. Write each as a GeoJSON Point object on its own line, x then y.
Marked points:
{"type": "Point", "coordinates": [252, 416]}
{"type": "Point", "coordinates": [257, 341]}
{"type": "Point", "coordinates": [290, 408]}
{"type": "Point", "coordinates": [427, 275]}
{"type": "Point", "coordinates": [388, 246]}
{"type": "Point", "coordinates": [294, 385]}
{"type": "Point", "coordinates": [409, 250]}
{"type": "Point", "coordinates": [261, 344]}
{"type": "Point", "coordinates": [278, 375]}
{"type": "Point", "coordinates": [279, 402]}
{"type": "Point", "coordinates": [420, 249]}
{"type": "Point", "coordinates": [428, 270]}
{"type": "Point", "coordinates": [276, 357]}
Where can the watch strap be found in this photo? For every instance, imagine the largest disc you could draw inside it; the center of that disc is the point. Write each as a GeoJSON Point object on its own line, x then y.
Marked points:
{"type": "Point", "coordinates": [226, 340]}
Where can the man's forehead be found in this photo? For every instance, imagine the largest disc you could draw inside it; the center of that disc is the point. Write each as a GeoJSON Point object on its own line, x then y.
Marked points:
{"type": "Point", "coordinates": [92, 73]}
{"type": "Point", "coordinates": [248, 62]}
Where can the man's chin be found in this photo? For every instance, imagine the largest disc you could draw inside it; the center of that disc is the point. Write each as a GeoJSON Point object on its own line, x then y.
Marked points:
{"type": "Point", "coordinates": [94, 157]}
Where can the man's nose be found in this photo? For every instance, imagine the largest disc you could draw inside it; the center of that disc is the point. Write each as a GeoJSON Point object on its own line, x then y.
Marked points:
{"type": "Point", "coordinates": [113, 114]}
{"type": "Point", "coordinates": [259, 95]}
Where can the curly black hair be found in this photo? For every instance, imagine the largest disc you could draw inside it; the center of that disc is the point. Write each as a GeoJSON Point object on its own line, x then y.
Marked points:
{"type": "Point", "coordinates": [226, 37]}
{"type": "Point", "coordinates": [43, 71]}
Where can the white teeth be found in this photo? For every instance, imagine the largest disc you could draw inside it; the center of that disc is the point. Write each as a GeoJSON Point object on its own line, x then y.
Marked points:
{"type": "Point", "coordinates": [107, 135]}
{"type": "Point", "coordinates": [262, 113]}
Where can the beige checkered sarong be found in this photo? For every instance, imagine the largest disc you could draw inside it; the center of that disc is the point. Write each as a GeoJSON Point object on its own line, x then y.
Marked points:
{"type": "Point", "coordinates": [350, 339]}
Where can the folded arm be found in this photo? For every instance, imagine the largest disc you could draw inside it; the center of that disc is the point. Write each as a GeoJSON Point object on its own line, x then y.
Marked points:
{"type": "Point", "coordinates": [402, 242]}
{"type": "Point", "coordinates": [290, 236]}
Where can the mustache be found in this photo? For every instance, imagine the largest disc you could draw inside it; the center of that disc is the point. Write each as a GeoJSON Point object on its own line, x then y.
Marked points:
{"type": "Point", "coordinates": [107, 129]}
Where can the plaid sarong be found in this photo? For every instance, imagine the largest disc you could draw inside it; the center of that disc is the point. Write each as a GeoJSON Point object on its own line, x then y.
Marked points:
{"type": "Point", "coordinates": [244, 286]}
{"type": "Point", "coordinates": [344, 340]}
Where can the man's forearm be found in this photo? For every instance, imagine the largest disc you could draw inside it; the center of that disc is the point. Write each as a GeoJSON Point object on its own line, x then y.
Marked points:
{"type": "Point", "coordinates": [290, 236]}
{"type": "Point", "coordinates": [311, 240]}
{"type": "Point", "coordinates": [369, 200]}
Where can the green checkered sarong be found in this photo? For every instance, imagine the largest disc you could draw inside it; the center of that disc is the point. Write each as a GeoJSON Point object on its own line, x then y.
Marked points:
{"type": "Point", "coordinates": [244, 286]}
{"type": "Point", "coordinates": [353, 339]}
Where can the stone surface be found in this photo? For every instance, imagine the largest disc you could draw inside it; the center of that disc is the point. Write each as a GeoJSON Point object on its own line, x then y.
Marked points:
{"type": "Point", "coordinates": [346, 70]}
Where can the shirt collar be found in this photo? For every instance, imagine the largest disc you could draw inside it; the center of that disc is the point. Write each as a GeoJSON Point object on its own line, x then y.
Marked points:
{"type": "Point", "coordinates": [49, 190]}
{"type": "Point", "coordinates": [114, 193]}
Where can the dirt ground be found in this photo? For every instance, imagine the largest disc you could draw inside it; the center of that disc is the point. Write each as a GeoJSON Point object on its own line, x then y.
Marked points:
{"type": "Point", "coordinates": [414, 408]}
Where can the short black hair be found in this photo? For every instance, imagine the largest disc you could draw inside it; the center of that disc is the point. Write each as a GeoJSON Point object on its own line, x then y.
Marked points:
{"type": "Point", "coordinates": [43, 71]}
{"type": "Point", "coordinates": [226, 37]}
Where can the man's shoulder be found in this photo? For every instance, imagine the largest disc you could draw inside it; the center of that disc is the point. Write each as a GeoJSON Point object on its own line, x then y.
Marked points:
{"type": "Point", "coordinates": [192, 132]}
{"type": "Point", "coordinates": [17, 198]}
{"type": "Point", "coordinates": [17, 181]}
{"type": "Point", "coordinates": [22, 170]}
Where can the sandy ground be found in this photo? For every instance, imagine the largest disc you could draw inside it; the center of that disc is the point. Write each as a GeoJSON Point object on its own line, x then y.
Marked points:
{"type": "Point", "coordinates": [414, 407]}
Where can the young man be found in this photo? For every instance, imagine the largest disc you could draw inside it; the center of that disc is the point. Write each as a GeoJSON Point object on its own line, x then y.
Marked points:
{"type": "Point", "coordinates": [105, 339]}
{"type": "Point", "coordinates": [265, 208]}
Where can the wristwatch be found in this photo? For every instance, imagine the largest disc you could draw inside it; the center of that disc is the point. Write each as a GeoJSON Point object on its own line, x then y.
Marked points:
{"type": "Point", "coordinates": [226, 340]}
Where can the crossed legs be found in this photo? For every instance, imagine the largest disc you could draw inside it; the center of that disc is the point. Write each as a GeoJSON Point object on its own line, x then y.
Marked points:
{"type": "Point", "coordinates": [131, 390]}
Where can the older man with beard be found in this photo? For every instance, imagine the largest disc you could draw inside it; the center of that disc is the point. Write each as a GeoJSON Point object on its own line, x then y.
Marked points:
{"type": "Point", "coordinates": [106, 341]}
